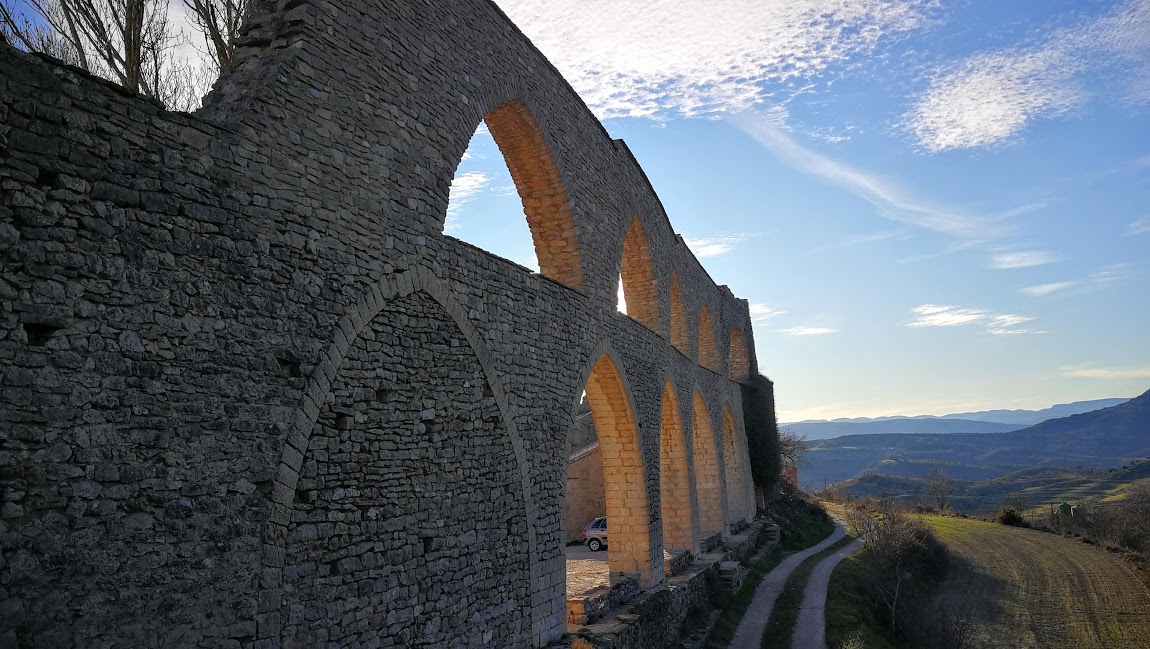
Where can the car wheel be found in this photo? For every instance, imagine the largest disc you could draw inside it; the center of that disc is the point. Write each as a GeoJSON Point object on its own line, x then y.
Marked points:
{"type": "Point", "coordinates": [594, 545]}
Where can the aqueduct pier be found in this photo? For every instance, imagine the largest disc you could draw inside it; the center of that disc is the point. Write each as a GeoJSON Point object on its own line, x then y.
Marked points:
{"type": "Point", "coordinates": [253, 396]}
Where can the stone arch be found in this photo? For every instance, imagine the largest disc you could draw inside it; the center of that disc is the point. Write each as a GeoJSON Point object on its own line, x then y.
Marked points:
{"type": "Point", "coordinates": [674, 478]}
{"type": "Point", "coordinates": [738, 357]}
{"type": "Point", "coordinates": [734, 467]}
{"type": "Point", "coordinates": [637, 273]}
{"type": "Point", "coordinates": [286, 483]}
{"type": "Point", "coordinates": [541, 188]}
{"type": "Point", "coordinates": [631, 547]}
{"type": "Point", "coordinates": [708, 479]}
{"type": "Point", "coordinates": [678, 318]}
{"type": "Point", "coordinates": [708, 349]}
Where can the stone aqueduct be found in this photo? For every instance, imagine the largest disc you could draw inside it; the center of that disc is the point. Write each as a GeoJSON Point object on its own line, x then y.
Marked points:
{"type": "Point", "coordinates": [253, 396]}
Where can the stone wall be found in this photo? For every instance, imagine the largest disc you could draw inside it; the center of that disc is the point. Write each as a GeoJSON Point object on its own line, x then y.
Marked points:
{"type": "Point", "coordinates": [253, 397]}
{"type": "Point", "coordinates": [585, 496]}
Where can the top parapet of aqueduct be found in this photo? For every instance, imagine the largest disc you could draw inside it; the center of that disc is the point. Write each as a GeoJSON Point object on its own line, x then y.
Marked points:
{"type": "Point", "coordinates": [354, 92]}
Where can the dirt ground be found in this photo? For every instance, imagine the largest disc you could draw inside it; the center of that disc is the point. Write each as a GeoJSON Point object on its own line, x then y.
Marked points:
{"type": "Point", "coordinates": [1032, 589]}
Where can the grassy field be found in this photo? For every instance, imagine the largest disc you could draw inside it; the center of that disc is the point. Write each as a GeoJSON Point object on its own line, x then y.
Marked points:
{"type": "Point", "coordinates": [849, 612]}
{"type": "Point", "coordinates": [1032, 589]}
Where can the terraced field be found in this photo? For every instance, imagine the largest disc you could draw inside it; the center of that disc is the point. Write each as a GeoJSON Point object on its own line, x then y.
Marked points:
{"type": "Point", "coordinates": [1032, 589]}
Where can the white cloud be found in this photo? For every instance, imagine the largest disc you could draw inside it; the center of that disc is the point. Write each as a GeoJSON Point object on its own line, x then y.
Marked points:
{"type": "Point", "coordinates": [807, 331]}
{"type": "Point", "coordinates": [1140, 226]}
{"type": "Point", "coordinates": [463, 187]}
{"type": "Point", "coordinates": [931, 315]}
{"type": "Point", "coordinates": [990, 97]}
{"type": "Point", "coordinates": [760, 313]}
{"type": "Point", "coordinates": [1021, 259]}
{"type": "Point", "coordinates": [892, 203]}
{"type": "Point", "coordinates": [1108, 372]}
{"type": "Point", "coordinates": [716, 245]}
{"type": "Point", "coordinates": [935, 315]}
{"type": "Point", "coordinates": [644, 59]}
{"type": "Point", "coordinates": [1108, 275]}
{"type": "Point", "coordinates": [1047, 289]}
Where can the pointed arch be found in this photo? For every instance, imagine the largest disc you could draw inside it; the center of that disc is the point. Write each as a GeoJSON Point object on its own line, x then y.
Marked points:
{"type": "Point", "coordinates": [541, 189]}
{"type": "Point", "coordinates": [708, 490]}
{"type": "Point", "coordinates": [640, 288]}
{"type": "Point", "coordinates": [674, 479]}
{"type": "Point", "coordinates": [630, 547]}
{"type": "Point", "coordinates": [708, 352]}
{"type": "Point", "coordinates": [734, 468]}
{"type": "Point", "coordinates": [678, 318]}
{"type": "Point", "coordinates": [430, 403]}
{"type": "Point", "coordinates": [738, 357]}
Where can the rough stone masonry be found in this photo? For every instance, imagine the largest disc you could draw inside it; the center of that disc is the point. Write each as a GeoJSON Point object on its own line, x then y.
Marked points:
{"type": "Point", "coordinates": [252, 396]}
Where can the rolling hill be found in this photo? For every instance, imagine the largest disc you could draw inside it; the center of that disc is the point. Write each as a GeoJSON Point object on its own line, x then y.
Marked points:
{"type": "Point", "coordinates": [1038, 485]}
{"type": "Point", "coordinates": [1100, 439]}
{"type": "Point", "coordinates": [986, 421]}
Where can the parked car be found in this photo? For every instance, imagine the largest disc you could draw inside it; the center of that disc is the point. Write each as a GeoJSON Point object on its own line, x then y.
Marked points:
{"type": "Point", "coordinates": [595, 534]}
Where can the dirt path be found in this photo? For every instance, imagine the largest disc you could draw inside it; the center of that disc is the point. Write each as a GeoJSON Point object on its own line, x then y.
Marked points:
{"type": "Point", "coordinates": [1032, 589]}
{"type": "Point", "coordinates": [749, 635]}
{"type": "Point", "coordinates": [811, 627]}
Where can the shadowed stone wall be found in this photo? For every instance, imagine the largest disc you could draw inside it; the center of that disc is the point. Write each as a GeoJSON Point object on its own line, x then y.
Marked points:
{"type": "Point", "coordinates": [253, 397]}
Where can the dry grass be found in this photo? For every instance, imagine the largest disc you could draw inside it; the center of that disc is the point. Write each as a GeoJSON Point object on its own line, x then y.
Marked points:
{"type": "Point", "coordinates": [1031, 589]}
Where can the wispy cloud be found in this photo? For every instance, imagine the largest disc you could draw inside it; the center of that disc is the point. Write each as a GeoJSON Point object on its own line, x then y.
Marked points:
{"type": "Point", "coordinates": [1108, 372]}
{"type": "Point", "coordinates": [463, 188]}
{"type": "Point", "coordinates": [990, 97]}
{"type": "Point", "coordinates": [1140, 226]}
{"type": "Point", "coordinates": [716, 245]}
{"type": "Point", "coordinates": [1021, 259]}
{"type": "Point", "coordinates": [1108, 275]}
{"type": "Point", "coordinates": [760, 313]}
{"type": "Point", "coordinates": [807, 331]}
{"type": "Point", "coordinates": [659, 59]}
{"type": "Point", "coordinates": [855, 240]}
{"type": "Point", "coordinates": [891, 202]}
{"type": "Point", "coordinates": [1046, 289]}
{"type": "Point", "coordinates": [935, 315]}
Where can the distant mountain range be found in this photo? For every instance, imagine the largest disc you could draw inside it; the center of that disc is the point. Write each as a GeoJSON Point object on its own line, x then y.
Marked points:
{"type": "Point", "coordinates": [1101, 439]}
{"type": "Point", "coordinates": [985, 421]}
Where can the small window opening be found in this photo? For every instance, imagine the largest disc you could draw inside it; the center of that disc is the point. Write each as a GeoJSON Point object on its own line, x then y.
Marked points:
{"type": "Point", "coordinates": [38, 333]}
{"type": "Point", "coordinates": [621, 297]}
{"type": "Point", "coordinates": [289, 368]}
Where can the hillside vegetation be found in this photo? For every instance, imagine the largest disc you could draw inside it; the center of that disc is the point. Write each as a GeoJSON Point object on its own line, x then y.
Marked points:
{"type": "Point", "coordinates": [1101, 439]}
{"type": "Point", "coordinates": [1023, 588]}
{"type": "Point", "coordinates": [1035, 485]}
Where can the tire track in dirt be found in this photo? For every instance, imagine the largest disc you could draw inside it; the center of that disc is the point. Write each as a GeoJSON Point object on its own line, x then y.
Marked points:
{"type": "Point", "coordinates": [1032, 589]}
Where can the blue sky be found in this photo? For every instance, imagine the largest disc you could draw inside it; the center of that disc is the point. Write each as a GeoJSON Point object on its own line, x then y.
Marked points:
{"type": "Point", "coordinates": [931, 206]}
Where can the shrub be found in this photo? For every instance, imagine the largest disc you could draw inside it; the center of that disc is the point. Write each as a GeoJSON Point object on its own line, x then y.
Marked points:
{"type": "Point", "coordinates": [906, 561]}
{"type": "Point", "coordinates": [1008, 516]}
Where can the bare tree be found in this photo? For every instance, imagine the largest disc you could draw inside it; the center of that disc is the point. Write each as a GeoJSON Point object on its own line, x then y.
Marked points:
{"type": "Point", "coordinates": [219, 21]}
{"type": "Point", "coordinates": [129, 42]}
{"type": "Point", "coordinates": [939, 486]}
{"type": "Point", "coordinates": [792, 447]}
{"type": "Point", "coordinates": [901, 552]}
{"type": "Point", "coordinates": [18, 30]}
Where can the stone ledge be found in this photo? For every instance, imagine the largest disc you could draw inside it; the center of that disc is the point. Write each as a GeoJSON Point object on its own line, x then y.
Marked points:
{"type": "Point", "coordinates": [655, 618]}
{"type": "Point", "coordinates": [591, 605]}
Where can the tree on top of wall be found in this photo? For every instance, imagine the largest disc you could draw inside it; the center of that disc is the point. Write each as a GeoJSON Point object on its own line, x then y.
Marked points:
{"type": "Point", "coordinates": [129, 42]}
